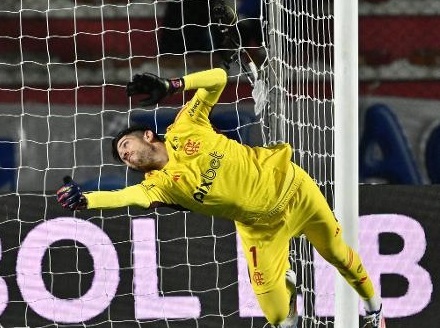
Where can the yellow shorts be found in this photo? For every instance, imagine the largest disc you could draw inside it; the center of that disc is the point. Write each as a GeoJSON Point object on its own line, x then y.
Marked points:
{"type": "Point", "coordinates": [266, 246]}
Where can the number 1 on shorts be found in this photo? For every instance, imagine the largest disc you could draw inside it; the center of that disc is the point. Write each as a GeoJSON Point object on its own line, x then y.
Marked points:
{"type": "Point", "coordinates": [253, 250]}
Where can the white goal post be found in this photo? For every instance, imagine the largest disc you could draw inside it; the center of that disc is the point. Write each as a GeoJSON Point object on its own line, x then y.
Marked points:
{"type": "Point", "coordinates": [346, 147]}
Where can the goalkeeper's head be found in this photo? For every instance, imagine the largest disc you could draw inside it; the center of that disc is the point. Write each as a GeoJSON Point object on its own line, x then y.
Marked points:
{"type": "Point", "coordinates": [140, 148]}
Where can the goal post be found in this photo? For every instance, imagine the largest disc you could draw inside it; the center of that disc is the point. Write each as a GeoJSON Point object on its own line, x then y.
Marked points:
{"type": "Point", "coordinates": [346, 147]}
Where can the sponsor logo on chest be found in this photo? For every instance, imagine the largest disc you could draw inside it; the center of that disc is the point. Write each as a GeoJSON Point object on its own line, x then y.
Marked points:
{"type": "Point", "coordinates": [207, 177]}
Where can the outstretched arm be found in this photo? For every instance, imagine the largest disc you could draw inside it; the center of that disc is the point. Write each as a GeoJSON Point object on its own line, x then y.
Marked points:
{"type": "Point", "coordinates": [71, 197]}
{"type": "Point", "coordinates": [133, 195]}
{"type": "Point", "coordinates": [210, 84]}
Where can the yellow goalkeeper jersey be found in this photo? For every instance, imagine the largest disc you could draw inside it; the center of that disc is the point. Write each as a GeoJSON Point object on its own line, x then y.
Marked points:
{"type": "Point", "coordinates": [208, 172]}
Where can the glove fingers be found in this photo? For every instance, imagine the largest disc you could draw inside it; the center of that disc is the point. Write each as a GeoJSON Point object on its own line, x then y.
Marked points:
{"type": "Point", "coordinates": [73, 199]}
{"type": "Point", "coordinates": [67, 193]}
{"type": "Point", "coordinates": [63, 193]}
{"type": "Point", "coordinates": [134, 88]}
{"type": "Point", "coordinates": [66, 199]}
{"type": "Point", "coordinates": [61, 198]}
{"type": "Point", "coordinates": [137, 77]}
{"type": "Point", "coordinates": [147, 101]}
{"type": "Point", "coordinates": [69, 196]}
{"type": "Point", "coordinates": [150, 85]}
{"type": "Point", "coordinates": [146, 81]}
{"type": "Point", "coordinates": [131, 89]}
{"type": "Point", "coordinates": [63, 189]}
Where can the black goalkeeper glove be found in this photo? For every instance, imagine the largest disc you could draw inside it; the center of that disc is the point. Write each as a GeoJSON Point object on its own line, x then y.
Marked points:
{"type": "Point", "coordinates": [70, 195]}
{"type": "Point", "coordinates": [154, 87]}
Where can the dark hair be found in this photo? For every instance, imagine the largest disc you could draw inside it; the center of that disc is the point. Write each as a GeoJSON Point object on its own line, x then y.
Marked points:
{"type": "Point", "coordinates": [127, 131]}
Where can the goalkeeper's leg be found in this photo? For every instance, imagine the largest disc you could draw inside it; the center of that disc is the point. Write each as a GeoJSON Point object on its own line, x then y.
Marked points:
{"type": "Point", "coordinates": [267, 255]}
{"type": "Point", "coordinates": [325, 234]}
{"type": "Point", "coordinates": [327, 240]}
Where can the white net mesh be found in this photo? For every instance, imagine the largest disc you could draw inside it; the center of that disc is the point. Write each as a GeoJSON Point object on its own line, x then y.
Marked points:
{"type": "Point", "coordinates": [300, 76]}
{"type": "Point", "coordinates": [64, 65]}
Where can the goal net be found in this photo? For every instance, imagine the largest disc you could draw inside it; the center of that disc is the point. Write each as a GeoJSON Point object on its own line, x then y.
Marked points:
{"type": "Point", "coordinates": [63, 66]}
{"type": "Point", "coordinates": [299, 39]}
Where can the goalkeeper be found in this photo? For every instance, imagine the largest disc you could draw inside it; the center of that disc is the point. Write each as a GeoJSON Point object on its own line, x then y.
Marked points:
{"type": "Point", "coordinates": [269, 198]}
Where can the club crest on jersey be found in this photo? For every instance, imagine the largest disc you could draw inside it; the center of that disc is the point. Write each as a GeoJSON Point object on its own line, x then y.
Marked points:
{"type": "Point", "coordinates": [191, 147]}
{"type": "Point", "coordinates": [258, 278]}
{"type": "Point", "coordinates": [208, 177]}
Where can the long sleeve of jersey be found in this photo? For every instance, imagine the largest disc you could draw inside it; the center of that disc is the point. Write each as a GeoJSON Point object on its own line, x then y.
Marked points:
{"type": "Point", "coordinates": [209, 84]}
{"type": "Point", "coordinates": [133, 195]}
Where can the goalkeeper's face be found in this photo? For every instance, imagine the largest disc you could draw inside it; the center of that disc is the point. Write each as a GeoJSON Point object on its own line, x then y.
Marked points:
{"type": "Point", "coordinates": [141, 151]}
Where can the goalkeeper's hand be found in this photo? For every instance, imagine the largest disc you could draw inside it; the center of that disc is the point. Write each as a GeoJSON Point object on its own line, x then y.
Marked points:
{"type": "Point", "coordinates": [154, 87]}
{"type": "Point", "coordinates": [70, 196]}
